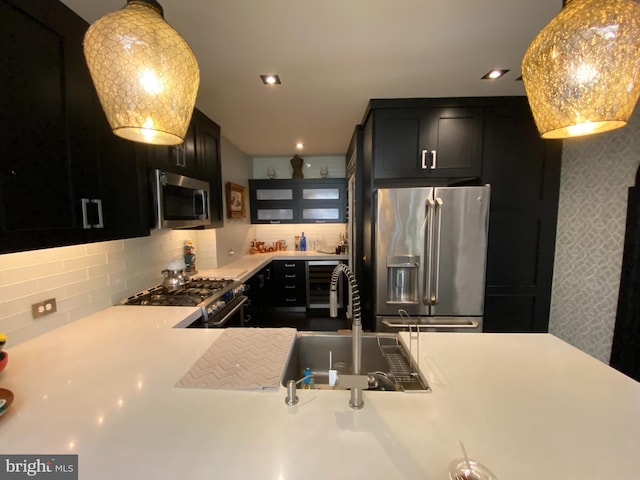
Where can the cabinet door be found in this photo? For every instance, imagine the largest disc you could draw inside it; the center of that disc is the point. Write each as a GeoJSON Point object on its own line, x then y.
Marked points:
{"type": "Point", "coordinates": [209, 161]}
{"type": "Point", "coordinates": [298, 201]}
{"type": "Point", "coordinates": [427, 143]}
{"type": "Point", "coordinates": [124, 189]}
{"type": "Point", "coordinates": [272, 201]}
{"type": "Point", "coordinates": [524, 173]}
{"type": "Point", "coordinates": [47, 130]}
{"type": "Point", "coordinates": [181, 159]}
{"type": "Point", "coordinates": [323, 201]}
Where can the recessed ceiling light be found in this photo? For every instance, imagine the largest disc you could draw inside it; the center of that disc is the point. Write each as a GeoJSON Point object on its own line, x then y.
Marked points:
{"type": "Point", "coordinates": [494, 74]}
{"type": "Point", "coordinates": [270, 79]}
{"type": "Point", "coordinates": [299, 145]}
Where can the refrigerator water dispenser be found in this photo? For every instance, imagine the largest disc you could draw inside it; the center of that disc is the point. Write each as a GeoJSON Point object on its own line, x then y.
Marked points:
{"type": "Point", "coordinates": [402, 279]}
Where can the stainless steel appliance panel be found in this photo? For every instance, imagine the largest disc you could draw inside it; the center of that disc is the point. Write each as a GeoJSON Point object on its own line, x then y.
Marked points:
{"type": "Point", "coordinates": [430, 256]}
{"type": "Point", "coordinates": [459, 250]}
{"type": "Point", "coordinates": [401, 230]}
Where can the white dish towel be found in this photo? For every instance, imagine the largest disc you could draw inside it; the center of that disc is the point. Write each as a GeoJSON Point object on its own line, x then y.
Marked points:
{"type": "Point", "coordinates": [242, 359]}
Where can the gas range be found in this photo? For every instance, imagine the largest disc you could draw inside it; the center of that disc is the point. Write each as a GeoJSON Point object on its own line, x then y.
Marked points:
{"type": "Point", "coordinates": [218, 298]}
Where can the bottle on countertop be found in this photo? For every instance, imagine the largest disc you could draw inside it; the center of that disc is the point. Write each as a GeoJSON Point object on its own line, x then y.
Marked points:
{"type": "Point", "coordinates": [303, 243]}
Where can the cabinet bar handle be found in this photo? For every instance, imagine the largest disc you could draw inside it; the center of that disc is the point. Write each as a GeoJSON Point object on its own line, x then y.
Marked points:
{"type": "Point", "coordinates": [85, 216]}
{"type": "Point", "coordinates": [274, 221]}
{"type": "Point", "coordinates": [433, 159]}
{"type": "Point", "coordinates": [289, 265]}
{"type": "Point", "coordinates": [290, 276]}
{"type": "Point", "coordinates": [179, 151]}
{"type": "Point", "coordinates": [424, 159]}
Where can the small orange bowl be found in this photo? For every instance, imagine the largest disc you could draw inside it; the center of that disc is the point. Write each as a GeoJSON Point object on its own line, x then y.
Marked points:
{"type": "Point", "coordinates": [4, 359]}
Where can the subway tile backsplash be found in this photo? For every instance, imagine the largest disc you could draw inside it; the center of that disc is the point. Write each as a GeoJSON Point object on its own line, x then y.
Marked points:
{"type": "Point", "coordinates": [325, 236]}
{"type": "Point", "coordinates": [83, 278]}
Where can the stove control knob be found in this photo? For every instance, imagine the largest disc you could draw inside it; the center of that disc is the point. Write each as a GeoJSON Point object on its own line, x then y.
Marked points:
{"type": "Point", "coordinates": [239, 289]}
{"type": "Point", "coordinates": [216, 307]}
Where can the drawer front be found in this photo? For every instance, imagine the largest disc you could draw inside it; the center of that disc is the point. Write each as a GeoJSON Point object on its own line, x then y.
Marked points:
{"type": "Point", "coordinates": [290, 287]}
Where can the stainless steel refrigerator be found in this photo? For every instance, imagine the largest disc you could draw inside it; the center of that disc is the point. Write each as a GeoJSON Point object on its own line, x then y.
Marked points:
{"type": "Point", "coordinates": [430, 257]}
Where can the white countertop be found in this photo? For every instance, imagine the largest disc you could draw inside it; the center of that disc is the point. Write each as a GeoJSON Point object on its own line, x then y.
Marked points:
{"type": "Point", "coordinates": [527, 405]}
{"type": "Point", "coordinates": [243, 268]}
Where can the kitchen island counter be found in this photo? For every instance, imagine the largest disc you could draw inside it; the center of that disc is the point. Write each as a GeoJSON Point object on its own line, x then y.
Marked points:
{"type": "Point", "coordinates": [528, 406]}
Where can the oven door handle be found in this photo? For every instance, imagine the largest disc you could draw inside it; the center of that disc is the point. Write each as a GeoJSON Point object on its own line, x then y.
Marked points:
{"type": "Point", "coordinates": [230, 313]}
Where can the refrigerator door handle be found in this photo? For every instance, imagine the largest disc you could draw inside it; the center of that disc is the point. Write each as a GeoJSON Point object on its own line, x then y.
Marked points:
{"type": "Point", "coordinates": [428, 250]}
{"type": "Point", "coordinates": [469, 325]}
{"type": "Point", "coordinates": [436, 252]}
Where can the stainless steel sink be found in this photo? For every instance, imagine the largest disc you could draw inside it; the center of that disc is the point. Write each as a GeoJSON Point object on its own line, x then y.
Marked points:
{"type": "Point", "coordinates": [384, 360]}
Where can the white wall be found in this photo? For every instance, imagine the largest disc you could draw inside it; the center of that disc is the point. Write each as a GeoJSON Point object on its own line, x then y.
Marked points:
{"type": "Point", "coordinates": [310, 168]}
{"type": "Point", "coordinates": [596, 173]}
{"type": "Point", "coordinates": [87, 278]}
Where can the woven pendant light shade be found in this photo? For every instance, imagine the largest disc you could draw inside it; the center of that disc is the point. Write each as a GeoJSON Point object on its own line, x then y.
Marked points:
{"type": "Point", "coordinates": [144, 72]}
{"type": "Point", "coordinates": [582, 72]}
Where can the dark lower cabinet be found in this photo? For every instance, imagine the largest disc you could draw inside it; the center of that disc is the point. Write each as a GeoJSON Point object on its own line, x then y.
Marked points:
{"type": "Point", "coordinates": [64, 178]}
{"type": "Point", "coordinates": [259, 294]}
{"type": "Point", "coordinates": [289, 283]}
{"type": "Point", "coordinates": [524, 173]}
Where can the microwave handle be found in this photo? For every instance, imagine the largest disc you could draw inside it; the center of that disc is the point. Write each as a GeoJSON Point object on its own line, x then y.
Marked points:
{"type": "Point", "coordinates": [202, 195]}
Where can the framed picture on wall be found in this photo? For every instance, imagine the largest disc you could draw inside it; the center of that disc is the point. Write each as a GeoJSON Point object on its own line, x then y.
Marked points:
{"type": "Point", "coordinates": [236, 200]}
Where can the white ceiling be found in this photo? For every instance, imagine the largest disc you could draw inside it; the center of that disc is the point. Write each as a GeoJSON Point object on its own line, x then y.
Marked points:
{"type": "Point", "coordinates": [335, 55]}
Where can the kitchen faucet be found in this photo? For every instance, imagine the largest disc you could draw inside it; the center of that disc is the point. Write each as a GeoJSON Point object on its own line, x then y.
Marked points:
{"type": "Point", "coordinates": [356, 326]}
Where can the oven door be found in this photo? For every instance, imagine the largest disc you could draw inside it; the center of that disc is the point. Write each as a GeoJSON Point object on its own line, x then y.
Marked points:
{"type": "Point", "coordinates": [232, 315]}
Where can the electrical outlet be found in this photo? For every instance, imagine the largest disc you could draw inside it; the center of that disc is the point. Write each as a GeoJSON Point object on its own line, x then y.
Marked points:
{"type": "Point", "coordinates": [46, 307]}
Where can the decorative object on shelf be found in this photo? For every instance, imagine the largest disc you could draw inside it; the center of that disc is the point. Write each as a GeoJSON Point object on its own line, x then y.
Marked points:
{"type": "Point", "coordinates": [190, 257]}
{"type": "Point", "coordinates": [582, 71]}
{"type": "Point", "coordinates": [324, 171]}
{"type": "Point", "coordinates": [271, 172]}
{"type": "Point", "coordinates": [236, 200]}
{"type": "Point", "coordinates": [145, 73]}
{"type": "Point", "coordinates": [296, 163]}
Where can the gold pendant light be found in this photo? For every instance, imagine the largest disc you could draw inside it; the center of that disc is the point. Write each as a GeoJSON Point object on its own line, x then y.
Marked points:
{"type": "Point", "coordinates": [582, 72]}
{"type": "Point", "coordinates": [144, 72]}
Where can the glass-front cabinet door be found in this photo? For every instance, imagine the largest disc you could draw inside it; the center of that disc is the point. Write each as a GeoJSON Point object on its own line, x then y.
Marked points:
{"type": "Point", "coordinates": [298, 200]}
{"type": "Point", "coordinates": [323, 201]}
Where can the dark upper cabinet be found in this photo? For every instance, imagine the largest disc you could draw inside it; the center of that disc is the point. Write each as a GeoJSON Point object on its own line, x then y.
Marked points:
{"type": "Point", "coordinates": [427, 142]}
{"type": "Point", "coordinates": [181, 159]}
{"type": "Point", "coordinates": [197, 157]}
{"type": "Point", "coordinates": [209, 161]}
{"type": "Point", "coordinates": [64, 178]}
{"type": "Point", "coordinates": [298, 200]}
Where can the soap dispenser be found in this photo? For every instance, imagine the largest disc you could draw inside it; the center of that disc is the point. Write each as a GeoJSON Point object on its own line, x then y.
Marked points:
{"type": "Point", "coordinates": [303, 243]}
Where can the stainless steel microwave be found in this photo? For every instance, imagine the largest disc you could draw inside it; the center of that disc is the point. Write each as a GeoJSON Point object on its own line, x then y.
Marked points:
{"type": "Point", "coordinates": [179, 201]}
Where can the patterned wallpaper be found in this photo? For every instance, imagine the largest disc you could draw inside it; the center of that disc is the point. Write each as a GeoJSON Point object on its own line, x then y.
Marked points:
{"type": "Point", "coordinates": [596, 174]}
